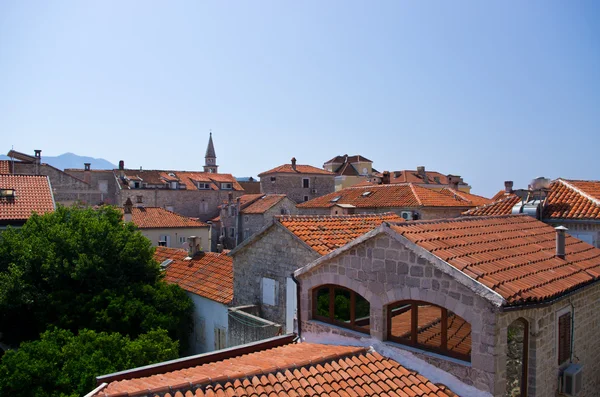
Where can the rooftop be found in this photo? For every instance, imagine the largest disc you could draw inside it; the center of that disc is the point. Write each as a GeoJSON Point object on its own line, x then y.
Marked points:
{"type": "Point", "coordinates": [208, 274]}
{"type": "Point", "coordinates": [189, 178]}
{"type": "Point", "coordinates": [326, 233]}
{"type": "Point", "coordinates": [350, 159]}
{"type": "Point", "coordinates": [414, 176]}
{"type": "Point", "coordinates": [158, 218]}
{"type": "Point", "coordinates": [5, 167]}
{"type": "Point", "coordinates": [23, 195]}
{"type": "Point", "coordinates": [513, 255]}
{"type": "Point", "coordinates": [404, 195]}
{"type": "Point", "coordinates": [263, 204]}
{"type": "Point", "coordinates": [299, 169]}
{"type": "Point", "coordinates": [294, 369]}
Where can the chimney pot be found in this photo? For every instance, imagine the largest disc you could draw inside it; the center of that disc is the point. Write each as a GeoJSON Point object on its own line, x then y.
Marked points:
{"type": "Point", "coordinates": [508, 186]}
{"type": "Point", "coordinates": [560, 241]}
{"type": "Point", "coordinates": [194, 245]}
{"type": "Point", "coordinates": [385, 178]}
{"type": "Point", "coordinates": [294, 163]}
{"type": "Point", "coordinates": [87, 166]}
{"type": "Point", "coordinates": [121, 165]}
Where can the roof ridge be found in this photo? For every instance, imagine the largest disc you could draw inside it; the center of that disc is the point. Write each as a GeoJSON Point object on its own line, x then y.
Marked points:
{"type": "Point", "coordinates": [578, 190]}
{"type": "Point", "coordinates": [459, 219]}
{"type": "Point", "coordinates": [348, 216]}
{"type": "Point", "coordinates": [500, 200]}
{"type": "Point", "coordinates": [414, 191]}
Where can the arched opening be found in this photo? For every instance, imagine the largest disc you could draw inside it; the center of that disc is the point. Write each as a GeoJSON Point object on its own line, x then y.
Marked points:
{"type": "Point", "coordinates": [341, 306]}
{"type": "Point", "coordinates": [429, 327]}
{"type": "Point", "coordinates": [517, 354]}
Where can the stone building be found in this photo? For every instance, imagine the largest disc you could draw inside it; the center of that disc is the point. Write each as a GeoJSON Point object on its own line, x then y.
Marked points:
{"type": "Point", "coordinates": [406, 199]}
{"type": "Point", "coordinates": [574, 204]}
{"type": "Point", "coordinates": [264, 263]}
{"type": "Point", "coordinates": [166, 228]}
{"type": "Point", "coordinates": [349, 170]}
{"type": "Point", "coordinates": [299, 182]}
{"type": "Point", "coordinates": [429, 179]}
{"type": "Point", "coordinates": [86, 187]}
{"type": "Point", "coordinates": [458, 294]}
{"type": "Point", "coordinates": [241, 218]}
{"type": "Point", "coordinates": [23, 195]}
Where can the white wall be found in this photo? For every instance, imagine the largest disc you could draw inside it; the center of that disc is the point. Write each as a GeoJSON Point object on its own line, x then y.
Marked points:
{"type": "Point", "coordinates": [214, 314]}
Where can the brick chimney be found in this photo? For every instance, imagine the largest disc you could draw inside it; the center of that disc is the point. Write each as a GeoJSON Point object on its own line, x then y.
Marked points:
{"type": "Point", "coordinates": [127, 210]}
{"type": "Point", "coordinates": [385, 178]}
{"type": "Point", "coordinates": [560, 241]}
{"type": "Point", "coordinates": [421, 172]}
{"type": "Point", "coordinates": [195, 246]}
{"type": "Point", "coordinates": [294, 163]}
{"type": "Point", "coordinates": [87, 173]}
{"type": "Point", "coordinates": [508, 187]}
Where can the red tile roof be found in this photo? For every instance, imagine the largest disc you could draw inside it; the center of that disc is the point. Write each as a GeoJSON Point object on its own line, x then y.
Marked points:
{"type": "Point", "coordinates": [326, 233]}
{"type": "Point", "coordinates": [473, 198]}
{"type": "Point", "coordinates": [32, 193]}
{"type": "Point", "coordinates": [572, 199]}
{"type": "Point", "coordinates": [158, 218]}
{"type": "Point", "coordinates": [208, 274]}
{"type": "Point", "coordinates": [263, 204]}
{"type": "Point", "coordinates": [299, 369]}
{"type": "Point", "coordinates": [4, 166]}
{"type": "Point", "coordinates": [188, 178]}
{"type": "Point", "coordinates": [350, 159]}
{"type": "Point", "coordinates": [406, 195]}
{"type": "Point", "coordinates": [300, 169]}
{"type": "Point", "coordinates": [513, 255]}
{"type": "Point", "coordinates": [502, 206]}
{"type": "Point", "coordinates": [412, 176]}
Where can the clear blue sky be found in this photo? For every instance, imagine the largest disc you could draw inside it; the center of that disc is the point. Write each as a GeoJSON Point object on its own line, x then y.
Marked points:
{"type": "Point", "coordinates": [509, 90]}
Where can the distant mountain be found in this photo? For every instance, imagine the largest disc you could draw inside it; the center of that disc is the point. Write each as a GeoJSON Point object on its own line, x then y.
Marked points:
{"type": "Point", "coordinates": [71, 160]}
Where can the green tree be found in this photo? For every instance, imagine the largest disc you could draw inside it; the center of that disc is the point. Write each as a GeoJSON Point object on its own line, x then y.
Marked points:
{"type": "Point", "coordinates": [84, 268]}
{"type": "Point", "coordinates": [62, 364]}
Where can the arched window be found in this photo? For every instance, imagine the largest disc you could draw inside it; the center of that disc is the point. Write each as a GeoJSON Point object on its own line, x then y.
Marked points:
{"type": "Point", "coordinates": [429, 327]}
{"type": "Point", "coordinates": [341, 306]}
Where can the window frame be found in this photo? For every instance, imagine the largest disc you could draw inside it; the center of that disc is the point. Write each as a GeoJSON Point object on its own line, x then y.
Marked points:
{"type": "Point", "coordinates": [306, 183]}
{"type": "Point", "coordinates": [443, 349]}
{"type": "Point", "coordinates": [560, 313]}
{"type": "Point", "coordinates": [331, 319]}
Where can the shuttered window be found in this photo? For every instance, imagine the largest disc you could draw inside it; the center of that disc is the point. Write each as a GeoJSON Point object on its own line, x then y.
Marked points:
{"type": "Point", "coordinates": [564, 338]}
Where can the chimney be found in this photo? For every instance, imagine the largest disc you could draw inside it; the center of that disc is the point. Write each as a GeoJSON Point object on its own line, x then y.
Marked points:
{"type": "Point", "coordinates": [508, 187]}
{"type": "Point", "coordinates": [38, 156]}
{"type": "Point", "coordinates": [454, 181]}
{"type": "Point", "coordinates": [87, 175]}
{"type": "Point", "coordinates": [127, 210]}
{"type": "Point", "coordinates": [421, 171]}
{"type": "Point", "coordinates": [385, 178]}
{"type": "Point", "coordinates": [194, 244]}
{"type": "Point", "coordinates": [294, 163]}
{"type": "Point", "coordinates": [560, 241]}
{"type": "Point", "coordinates": [121, 169]}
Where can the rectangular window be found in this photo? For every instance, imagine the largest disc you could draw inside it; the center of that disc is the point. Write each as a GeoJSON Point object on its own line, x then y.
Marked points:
{"type": "Point", "coordinates": [203, 186]}
{"type": "Point", "coordinates": [269, 291]}
{"type": "Point", "coordinates": [246, 233]}
{"type": "Point", "coordinates": [139, 199]}
{"type": "Point", "coordinates": [305, 198]}
{"type": "Point", "coordinates": [232, 232]}
{"type": "Point", "coordinates": [220, 338]}
{"type": "Point", "coordinates": [305, 182]}
{"type": "Point", "coordinates": [182, 240]}
{"type": "Point", "coordinates": [203, 207]}
{"type": "Point", "coordinates": [173, 185]}
{"type": "Point", "coordinates": [226, 186]}
{"type": "Point", "coordinates": [273, 179]}
{"type": "Point", "coordinates": [564, 338]}
{"type": "Point", "coordinates": [136, 185]}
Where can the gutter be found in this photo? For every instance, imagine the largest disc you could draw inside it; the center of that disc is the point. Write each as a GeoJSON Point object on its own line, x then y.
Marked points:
{"type": "Point", "coordinates": [298, 315]}
{"type": "Point", "coordinates": [538, 305]}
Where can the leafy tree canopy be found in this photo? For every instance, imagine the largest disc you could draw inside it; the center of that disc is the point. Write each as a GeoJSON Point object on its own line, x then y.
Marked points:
{"type": "Point", "coordinates": [62, 364]}
{"type": "Point", "coordinates": [84, 268]}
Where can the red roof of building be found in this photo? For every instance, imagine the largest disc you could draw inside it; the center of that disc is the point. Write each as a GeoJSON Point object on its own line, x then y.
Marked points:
{"type": "Point", "coordinates": [473, 198]}
{"type": "Point", "coordinates": [297, 369]}
{"type": "Point", "coordinates": [300, 169]}
{"type": "Point", "coordinates": [413, 176]}
{"type": "Point", "coordinates": [189, 178]}
{"type": "Point", "coordinates": [158, 218]}
{"type": "Point", "coordinates": [263, 204]}
{"type": "Point", "coordinates": [513, 255]}
{"type": "Point", "coordinates": [208, 274]}
{"type": "Point", "coordinates": [406, 195]}
{"type": "Point", "coordinates": [501, 206]}
{"type": "Point", "coordinates": [350, 159]}
{"type": "Point", "coordinates": [5, 167]}
{"type": "Point", "coordinates": [32, 193]}
{"type": "Point", "coordinates": [326, 233]}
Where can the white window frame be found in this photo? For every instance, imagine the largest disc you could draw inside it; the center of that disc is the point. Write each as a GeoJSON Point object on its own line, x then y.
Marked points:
{"type": "Point", "coordinates": [226, 186]}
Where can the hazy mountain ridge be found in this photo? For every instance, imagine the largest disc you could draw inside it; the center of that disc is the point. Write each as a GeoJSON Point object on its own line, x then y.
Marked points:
{"type": "Point", "coordinates": [72, 160]}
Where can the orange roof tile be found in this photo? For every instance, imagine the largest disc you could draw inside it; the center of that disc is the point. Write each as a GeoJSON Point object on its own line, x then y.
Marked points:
{"type": "Point", "coordinates": [32, 193]}
{"type": "Point", "coordinates": [326, 233]}
{"type": "Point", "coordinates": [298, 369]}
{"type": "Point", "coordinates": [502, 206]}
{"type": "Point", "coordinates": [208, 274]}
{"type": "Point", "coordinates": [188, 178]}
{"type": "Point", "coordinates": [4, 166]}
{"type": "Point", "coordinates": [263, 204]}
{"type": "Point", "coordinates": [473, 198]}
{"type": "Point", "coordinates": [514, 255]}
{"type": "Point", "coordinates": [572, 199]}
{"type": "Point", "coordinates": [158, 218]}
{"type": "Point", "coordinates": [300, 169]}
{"type": "Point", "coordinates": [405, 195]}
{"type": "Point", "coordinates": [412, 176]}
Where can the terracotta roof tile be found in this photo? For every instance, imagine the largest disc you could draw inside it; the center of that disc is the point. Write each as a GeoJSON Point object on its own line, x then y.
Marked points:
{"type": "Point", "coordinates": [327, 233]}
{"type": "Point", "coordinates": [4, 166]}
{"type": "Point", "coordinates": [572, 199]}
{"type": "Point", "coordinates": [188, 178]}
{"type": "Point", "coordinates": [208, 274]}
{"type": "Point", "coordinates": [473, 198]}
{"type": "Point", "coordinates": [350, 159]}
{"type": "Point", "coordinates": [303, 369]}
{"type": "Point", "coordinates": [263, 204]}
{"type": "Point", "coordinates": [513, 255]}
{"type": "Point", "coordinates": [156, 217]}
{"type": "Point", "coordinates": [503, 205]}
{"type": "Point", "coordinates": [413, 176]}
{"type": "Point", "coordinates": [32, 193]}
{"type": "Point", "coordinates": [405, 195]}
{"type": "Point", "coordinates": [300, 169]}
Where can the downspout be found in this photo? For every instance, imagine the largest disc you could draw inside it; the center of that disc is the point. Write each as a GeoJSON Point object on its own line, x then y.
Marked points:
{"type": "Point", "coordinates": [297, 305]}
{"type": "Point", "coordinates": [572, 330]}
{"type": "Point", "coordinates": [237, 223]}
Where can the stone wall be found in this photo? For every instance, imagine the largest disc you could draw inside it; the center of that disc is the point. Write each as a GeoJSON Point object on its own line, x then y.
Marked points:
{"type": "Point", "coordinates": [103, 181]}
{"type": "Point", "coordinates": [291, 185]}
{"type": "Point", "coordinates": [384, 271]}
{"type": "Point", "coordinates": [543, 369]}
{"type": "Point", "coordinates": [580, 226]}
{"type": "Point", "coordinates": [275, 255]}
{"type": "Point", "coordinates": [246, 327]}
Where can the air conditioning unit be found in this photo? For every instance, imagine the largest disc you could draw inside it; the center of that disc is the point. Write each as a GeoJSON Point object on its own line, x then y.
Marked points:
{"type": "Point", "coordinates": [406, 215]}
{"type": "Point", "coordinates": [313, 191]}
{"type": "Point", "coordinates": [572, 380]}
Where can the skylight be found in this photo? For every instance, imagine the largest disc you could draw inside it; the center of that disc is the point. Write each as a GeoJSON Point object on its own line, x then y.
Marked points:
{"type": "Point", "coordinates": [335, 199]}
{"type": "Point", "coordinates": [166, 263]}
{"type": "Point", "coordinates": [366, 194]}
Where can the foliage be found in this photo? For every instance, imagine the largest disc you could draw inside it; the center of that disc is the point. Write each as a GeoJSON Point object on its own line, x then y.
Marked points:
{"type": "Point", "coordinates": [62, 364]}
{"type": "Point", "coordinates": [84, 268]}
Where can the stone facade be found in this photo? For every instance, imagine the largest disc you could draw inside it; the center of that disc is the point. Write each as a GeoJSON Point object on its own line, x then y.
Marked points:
{"type": "Point", "coordinates": [274, 255]}
{"type": "Point", "coordinates": [292, 185]}
{"type": "Point", "coordinates": [102, 181]}
{"type": "Point", "coordinates": [385, 271]}
{"type": "Point", "coordinates": [588, 231]}
{"type": "Point", "coordinates": [425, 213]}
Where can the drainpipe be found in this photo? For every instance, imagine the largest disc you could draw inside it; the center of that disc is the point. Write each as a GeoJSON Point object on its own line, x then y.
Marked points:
{"type": "Point", "coordinates": [237, 221]}
{"type": "Point", "coordinates": [298, 305]}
